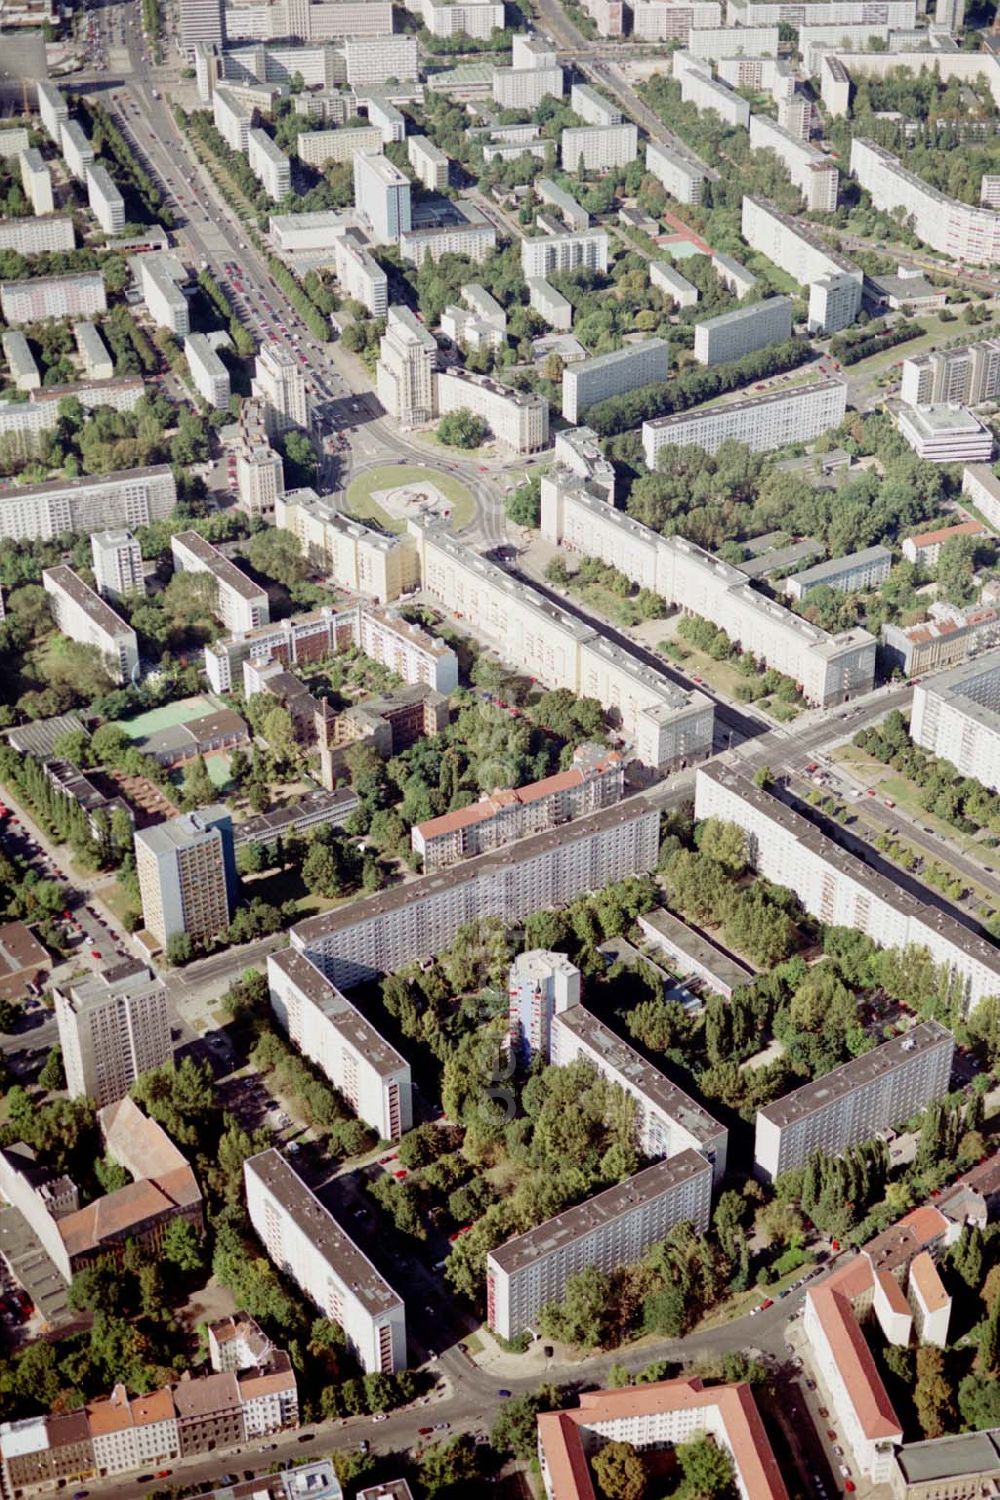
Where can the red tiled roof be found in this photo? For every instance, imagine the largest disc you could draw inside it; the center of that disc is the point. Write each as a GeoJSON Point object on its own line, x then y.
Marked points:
{"type": "Point", "coordinates": [855, 1364]}
{"type": "Point", "coordinates": [488, 807]}
{"type": "Point", "coordinates": [924, 1276]}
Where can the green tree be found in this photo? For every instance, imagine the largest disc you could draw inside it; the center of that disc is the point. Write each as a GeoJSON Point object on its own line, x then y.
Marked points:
{"type": "Point", "coordinates": [181, 1246]}
{"type": "Point", "coordinates": [462, 429]}
{"type": "Point", "coordinates": [179, 949]}
{"type": "Point", "coordinates": [277, 555]}
{"type": "Point", "coordinates": [618, 1471]}
{"type": "Point", "coordinates": [53, 1075]}
{"type": "Point", "coordinates": [197, 787]}
{"type": "Point", "coordinates": [524, 504]}
{"type": "Point", "coordinates": [707, 1470]}
{"type": "Point", "coordinates": [932, 1395]}
{"type": "Point", "coordinates": [726, 843]}
{"type": "Point", "coordinates": [449, 1468]}
{"type": "Point", "coordinates": [583, 1315]}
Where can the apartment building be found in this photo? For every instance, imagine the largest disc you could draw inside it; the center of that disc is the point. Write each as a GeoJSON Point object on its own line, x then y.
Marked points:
{"type": "Point", "coordinates": [761, 422]}
{"type": "Point", "coordinates": [78, 296]}
{"type": "Point", "coordinates": [413, 654]}
{"type": "Point", "coordinates": [472, 236]}
{"type": "Point", "coordinates": [833, 283]}
{"type": "Point", "coordinates": [899, 14]}
{"type": "Point", "coordinates": [209, 374]}
{"type": "Point", "coordinates": [127, 497]}
{"type": "Point", "coordinates": [597, 147]}
{"type": "Point", "coordinates": [706, 92]}
{"type": "Point", "coordinates": [116, 558]}
{"type": "Point", "coordinates": [36, 179]}
{"type": "Point", "coordinates": [269, 164]}
{"type": "Point", "coordinates": [374, 563]}
{"type": "Point", "coordinates": [76, 150]}
{"type": "Point", "coordinates": [958, 230]}
{"type": "Point", "coordinates": [589, 381]}
{"type": "Point", "coordinates": [965, 376]}
{"type": "Point", "coordinates": [525, 88]}
{"type": "Point", "coordinates": [517, 419]}
{"type": "Point", "coordinates": [240, 604]}
{"type": "Point", "coordinates": [332, 1033]}
{"type": "Point", "coordinates": [956, 715]}
{"type": "Point", "coordinates": [655, 1417]}
{"type": "Point", "coordinates": [371, 60]}
{"type": "Point", "coordinates": [83, 616]}
{"type": "Point", "coordinates": [404, 374]}
{"type": "Point", "coordinates": [945, 434]}
{"type": "Point", "coordinates": [613, 1229]}
{"type": "Point", "coordinates": [682, 178]}
{"type": "Point", "coordinates": [105, 201]}
{"type": "Point", "coordinates": [317, 147]}
{"type": "Point", "coordinates": [94, 353]}
{"type": "Point", "coordinates": [447, 18]}
{"type": "Point", "coordinates": [161, 276]}
{"type": "Point", "coordinates": [672, 284]}
{"type": "Point", "coordinates": [481, 323]}
{"type": "Point", "coordinates": [305, 1242]}
{"type": "Point", "coordinates": [869, 1094]}
{"type": "Point", "coordinates": [669, 21]}
{"type": "Point", "coordinates": [586, 249]}
{"type": "Point", "coordinates": [813, 172]}
{"type": "Point", "coordinates": [375, 935]}
{"type": "Point", "coordinates": [540, 985]}
{"type": "Point", "coordinates": [550, 304]}
{"type": "Point", "coordinates": [428, 162]}
{"type": "Point", "coordinates": [187, 874]}
{"type": "Point", "coordinates": [667, 727]}
{"type": "Point", "coordinates": [52, 107]}
{"type": "Point", "coordinates": [24, 373]}
{"type": "Point", "coordinates": [385, 116]}
{"type": "Point", "coordinates": [950, 635]}
{"type": "Point", "coordinates": [982, 488]}
{"type": "Point", "coordinates": [715, 42]}
{"type": "Point", "coordinates": [733, 275]}
{"type": "Point", "coordinates": [113, 1027]}
{"type": "Point", "coordinates": [837, 887]}
{"type": "Point", "coordinates": [38, 236]}
{"type": "Point", "coordinates": [232, 118]}
{"type": "Point", "coordinates": [279, 381]}
{"type": "Point", "coordinates": [857, 573]}
{"type": "Point", "coordinates": [592, 106]}
{"type": "Point", "coordinates": [733, 334]}
{"type": "Point", "coordinates": [553, 196]}
{"type": "Point", "coordinates": [759, 74]}
{"type": "Point", "coordinates": [829, 668]}
{"type": "Point", "coordinates": [595, 779]}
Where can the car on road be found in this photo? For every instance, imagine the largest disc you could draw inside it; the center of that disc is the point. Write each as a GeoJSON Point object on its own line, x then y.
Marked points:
{"type": "Point", "coordinates": [503, 1393]}
{"type": "Point", "coordinates": [380, 1416]}
{"type": "Point", "coordinates": [425, 1431]}
{"type": "Point", "coordinates": [442, 1426]}
{"type": "Point", "coordinates": [164, 1473]}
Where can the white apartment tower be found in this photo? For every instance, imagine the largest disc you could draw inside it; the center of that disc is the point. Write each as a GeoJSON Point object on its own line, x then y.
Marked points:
{"type": "Point", "coordinates": [587, 249]}
{"type": "Point", "coordinates": [83, 616]}
{"type": "Point", "coordinates": [117, 564]}
{"type": "Point", "coordinates": [210, 376]}
{"type": "Point", "coordinates": [405, 369]}
{"type": "Point", "coordinates": [269, 164]}
{"type": "Point", "coordinates": [106, 202]}
{"type": "Point", "coordinates": [381, 197]}
{"type": "Point", "coordinates": [304, 1241]}
{"type": "Point", "coordinates": [540, 986]}
{"type": "Point", "coordinates": [113, 1027]}
{"type": "Point", "coordinates": [734, 334]}
{"type": "Point", "coordinates": [187, 875]}
{"type": "Point", "coordinates": [280, 383]}
{"type": "Point", "coordinates": [428, 161]}
{"type": "Point", "coordinates": [36, 179]}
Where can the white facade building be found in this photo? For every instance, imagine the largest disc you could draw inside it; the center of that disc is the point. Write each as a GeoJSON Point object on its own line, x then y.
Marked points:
{"type": "Point", "coordinates": [280, 383]}
{"type": "Point", "coordinates": [343, 1044]}
{"type": "Point", "coordinates": [672, 284]}
{"type": "Point", "coordinates": [317, 147]}
{"type": "Point", "coordinates": [525, 88]}
{"type": "Point", "coordinates": [232, 118]}
{"type": "Point", "coordinates": [813, 172]}
{"type": "Point", "coordinates": [94, 352]}
{"type": "Point", "coordinates": [587, 249]}
{"type": "Point", "coordinates": [550, 304]}
{"type": "Point", "coordinates": [129, 497]}
{"type": "Point", "coordinates": [956, 715]}
{"type": "Point", "coordinates": [381, 197]}
{"type": "Point", "coordinates": [240, 603]}
{"type": "Point", "coordinates": [106, 202]}
{"type": "Point", "coordinates": [210, 376]}
{"type": "Point", "coordinates": [269, 164]}
{"type": "Point", "coordinates": [36, 179]}
{"type": "Point", "coordinates": [42, 297]}
{"type": "Point", "coordinates": [540, 986]}
{"type": "Point", "coordinates": [52, 107]}
{"type": "Point", "coordinates": [454, 17]}
{"type": "Point", "coordinates": [734, 334]}
{"type": "Point", "coordinates": [24, 372]}
{"type": "Point", "coordinates": [304, 1241]}
{"type": "Point", "coordinates": [958, 230]}
{"type": "Point", "coordinates": [83, 616]}
{"type": "Point", "coordinates": [598, 147]}
{"type": "Point", "coordinates": [113, 1027]}
{"type": "Point", "coordinates": [37, 236]}
{"type": "Point", "coordinates": [762, 422]}
{"type": "Point", "coordinates": [428, 161]}
{"type": "Point", "coordinates": [117, 564]}
{"type": "Point", "coordinates": [965, 376]}
{"type": "Point", "coordinates": [715, 42]}
{"type": "Point", "coordinates": [365, 561]}
{"type": "Point", "coordinates": [404, 375]}
{"type": "Point", "coordinates": [517, 419]}
{"type": "Point", "coordinates": [706, 92]}
{"type": "Point", "coordinates": [945, 434]}
{"type": "Point", "coordinates": [589, 381]}
{"type": "Point", "coordinates": [838, 888]}
{"type": "Point", "coordinates": [681, 178]}
{"type": "Point", "coordinates": [370, 61]}
{"type": "Point", "coordinates": [833, 283]}
{"type": "Point", "coordinates": [160, 276]}
{"type": "Point", "coordinates": [77, 152]}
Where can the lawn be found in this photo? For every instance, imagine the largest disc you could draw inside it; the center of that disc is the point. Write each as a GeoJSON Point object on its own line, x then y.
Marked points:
{"type": "Point", "coordinates": [359, 502]}
{"type": "Point", "coordinates": [937, 333]}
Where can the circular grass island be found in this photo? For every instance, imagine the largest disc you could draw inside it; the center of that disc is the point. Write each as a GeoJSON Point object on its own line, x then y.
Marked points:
{"type": "Point", "coordinates": [391, 493]}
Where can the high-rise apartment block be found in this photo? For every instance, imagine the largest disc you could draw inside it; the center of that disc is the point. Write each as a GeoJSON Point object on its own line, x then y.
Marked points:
{"type": "Point", "coordinates": [117, 564]}
{"type": "Point", "coordinates": [588, 381]}
{"type": "Point", "coordinates": [472, 236]}
{"type": "Point", "coordinates": [160, 276]}
{"type": "Point", "coordinates": [128, 497]}
{"type": "Point", "coordinates": [36, 179]}
{"type": "Point", "coordinates": [381, 197]}
{"type": "Point", "coordinates": [595, 779]}
{"type": "Point", "coordinates": [519, 420]}
{"type": "Point", "coordinates": [106, 202]}
{"type": "Point", "coordinates": [240, 603]}
{"type": "Point", "coordinates": [269, 164]}
{"type": "Point", "coordinates": [199, 23]}
{"type": "Point", "coordinates": [834, 284]}
{"type": "Point", "coordinates": [260, 475]}
{"type": "Point", "coordinates": [76, 149]}
{"type": "Point", "coordinates": [587, 250]}
{"type": "Point", "coordinates": [325, 1027]}
{"type": "Point", "coordinates": [829, 668]}
{"type": "Point", "coordinates": [762, 422]}
{"type": "Point", "coordinates": [815, 174]}
{"type": "Point", "coordinates": [525, 88]}
{"type": "Point", "coordinates": [956, 715]}
{"type": "Point", "coordinates": [613, 1229]}
{"type": "Point", "coordinates": [839, 888]}
{"type": "Point", "coordinates": [706, 92]}
{"type": "Point", "coordinates": [404, 375]}
{"type": "Point", "coordinates": [52, 107]}
{"type": "Point", "coordinates": [956, 229]}
{"type": "Point", "coordinates": [871, 1093]}
{"type": "Point", "coordinates": [317, 147]}
{"type": "Point", "coordinates": [280, 383]}
{"type": "Point", "coordinates": [683, 179]}
{"type": "Point", "coordinates": [113, 1027]}
{"type": "Point", "coordinates": [80, 295]}
{"type": "Point", "coordinates": [305, 1242]}
{"type": "Point", "coordinates": [428, 161]}
{"type": "Point", "coordinates": [232, 118]}
{"type": "Point", "coordinates": [715, 42]}
{"type": "Point", "coordinates": [370, 61]}
{"type": "Point", "coordinates": [673, 20]}
{"type": "Point", "coordinates": [734, 334]}
{"type": "Point", "coordinates": [556, 309]}
{"type": "Point", "coordinates": [83, 616]}
{"type": "Point", "coordinates": [210, 376]}
{"type": "Point", "coordinates": [378, 934]}
{"type": "Point", "coordinates": [376, 563]}
{"type": "Point", "coordinates": [592, 107]}
{"type": "Point", "coordinates": [38, 236]}
{"type": "Point", "coordinates": [448, 18]}
{"type": "Point", "coordinates": [540, 986]}
{"type": "Point", "coordinates": [965, 376]}
{"type": "Point", "coordinates": [187, 875]}
{"type": "Point", "coordinates": [597, 147]}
